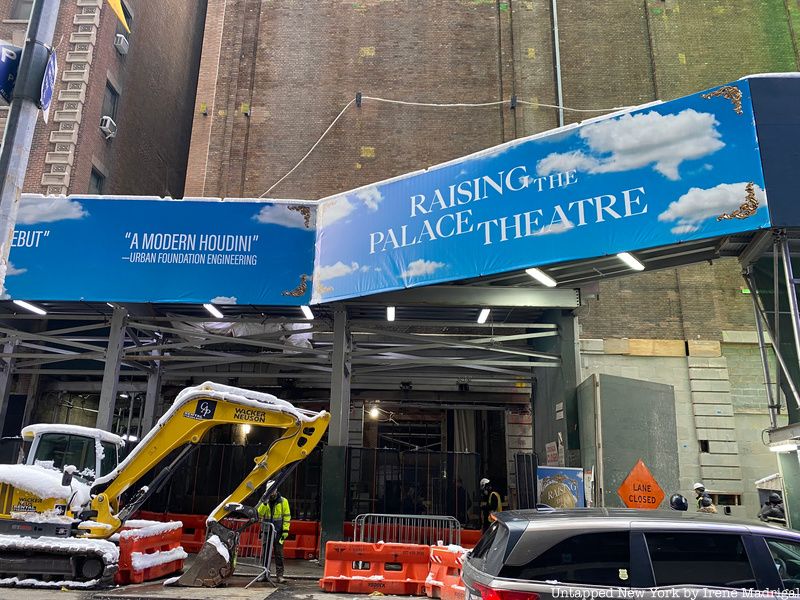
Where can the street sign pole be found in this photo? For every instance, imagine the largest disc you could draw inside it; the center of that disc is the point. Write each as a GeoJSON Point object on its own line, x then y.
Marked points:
{"type": "Point", "coordinates": [22, 121]}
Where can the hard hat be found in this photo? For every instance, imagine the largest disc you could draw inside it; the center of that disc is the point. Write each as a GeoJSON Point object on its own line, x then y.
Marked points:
{"type": "Point", "coordinates": [698, 486]}
{"type": "Point", "coordinates": [678, 502]}
{"type": "Point", "coordinates": [483, 482]}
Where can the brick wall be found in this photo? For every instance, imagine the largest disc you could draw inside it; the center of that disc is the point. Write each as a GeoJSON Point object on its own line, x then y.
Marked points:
{"type": "Point", "coordinates": [694, 302]}
{"type": "Point", "coordinates": [156, 81]}
{"type": "Point", "coordinates": [310, 63]}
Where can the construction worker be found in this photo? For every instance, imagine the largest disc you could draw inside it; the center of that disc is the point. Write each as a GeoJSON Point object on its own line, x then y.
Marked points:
{"type": "Point", "coordinates": [276, 511]}
{"type": "Point", "coordinates": [704, 502]}
{"type": "Point", "coordinates": [490, 502]}
{"type": "Point", "coordinates": [773, 509]}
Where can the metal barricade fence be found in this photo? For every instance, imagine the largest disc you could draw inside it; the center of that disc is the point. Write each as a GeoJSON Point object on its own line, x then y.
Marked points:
{"type": "Point", "coordinates": [254, 551]}
{"type": "Point", "coordinates": [428, 530]}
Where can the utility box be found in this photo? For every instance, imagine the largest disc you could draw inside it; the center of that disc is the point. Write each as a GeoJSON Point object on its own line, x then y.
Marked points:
{"type": "Point", "coordinates": [622, 421]}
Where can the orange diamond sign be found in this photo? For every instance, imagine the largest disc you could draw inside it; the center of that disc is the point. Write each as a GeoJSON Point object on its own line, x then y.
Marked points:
{"type": "Point", "coordinates": [640, 489]}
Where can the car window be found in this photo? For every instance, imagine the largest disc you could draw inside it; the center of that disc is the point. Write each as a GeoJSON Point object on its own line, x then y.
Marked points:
{"type": "Point", "coordinates": [490, 551]}
{"type": "Point", "coordinates": [786, 555]}
{"type": "Point", "coordinates": [589, 559]}
{"type": "Point", "coordinates": [700, 559]}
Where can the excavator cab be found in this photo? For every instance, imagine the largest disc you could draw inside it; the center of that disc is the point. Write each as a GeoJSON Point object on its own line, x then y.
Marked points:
{"type": "Point", "coordinates": [93, 452]}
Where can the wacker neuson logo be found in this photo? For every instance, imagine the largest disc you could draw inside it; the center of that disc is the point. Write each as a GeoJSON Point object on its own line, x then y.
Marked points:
{"type": "Point", "coordinates": [249, 414]}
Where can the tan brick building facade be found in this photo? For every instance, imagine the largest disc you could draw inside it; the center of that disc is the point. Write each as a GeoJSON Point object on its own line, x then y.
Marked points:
{"type": "Point", "coordinates": [152, 87]}
{"type": "Point", "coordinates": [274, 75]}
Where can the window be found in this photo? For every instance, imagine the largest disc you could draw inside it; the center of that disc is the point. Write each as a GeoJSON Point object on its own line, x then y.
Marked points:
{"type": "Point", "coordinates": [110, 100]}
{"type": "Point", "coordinates": [704, 446]}
{"type": "Point", "coordinates": [786, 555]}
{"type": "Point", "coordinates": [64, 449]}
{"type": "Point", "coordinates": [96, 182]}
{"type": "Point", "coordinates": [588, 559]}
{"type": "Point", "coordinates": [708, 559]}
{"type": "Point", "coordinates": [109, 461]}
{"type": "Point", "coordinates": [128, 19]}
{"type": "Point", "coordinates": [21, 10]}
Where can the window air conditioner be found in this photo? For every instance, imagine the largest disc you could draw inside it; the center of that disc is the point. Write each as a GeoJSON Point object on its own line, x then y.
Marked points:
{"type": "Point", "coordinates": [108, 127]}
{"type": "Point", "coordinates": [121, 44]}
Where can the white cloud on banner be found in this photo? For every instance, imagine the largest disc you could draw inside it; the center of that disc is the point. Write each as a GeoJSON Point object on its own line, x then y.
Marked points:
{"type": "Point", "coordinates": [336, 270]}
{"type": "Point", "coordinates": [634, 141]}
{"type": "Point", "coordinates": [224, 300]}
{"type": "Point", "coordinates": [12, 270]}
{"type": "Point", "coordinates": [556, 228]}
{"type": "Point", "coordinates": [279, 214]}
{"type": "Point", "coordinates": [371, 197]}
{"type": "Point", "coordinates": [697, 205]}
{"type": "Point", "coordinates": [422, 267]}
{"type": "Point", "coordinates": [330, 211]}
{"type": "Point", "coordinates": [48, 210]}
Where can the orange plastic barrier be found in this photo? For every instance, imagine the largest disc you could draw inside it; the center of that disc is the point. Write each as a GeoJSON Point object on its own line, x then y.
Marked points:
{"type": "Point", "coordinates": [444, 579]}
{"type": "Point", "coordinates": [470, 537]}
{"type": "Point", "coordinates": [362, 568]}
{"type": "Point", "coordinates": [194, 528]}
{"type": "Point", "coordinates": [147, 546]}
{"type": "Point", "coordinates": [303, 540]}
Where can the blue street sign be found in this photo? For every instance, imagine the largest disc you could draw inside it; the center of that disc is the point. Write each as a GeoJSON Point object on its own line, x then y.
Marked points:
{"type": "Point", "coordinates": [9, 64]}
{"type": "Point", "coordinates": [48, 84]}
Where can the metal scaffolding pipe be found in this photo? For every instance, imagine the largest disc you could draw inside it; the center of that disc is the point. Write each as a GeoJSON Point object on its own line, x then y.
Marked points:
{"type": "Point", "coordinates": [771, 404]}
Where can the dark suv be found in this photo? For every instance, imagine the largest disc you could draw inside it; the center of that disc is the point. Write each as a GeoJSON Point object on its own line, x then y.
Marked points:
{"type": "Point", "coordinates": [620, 553]}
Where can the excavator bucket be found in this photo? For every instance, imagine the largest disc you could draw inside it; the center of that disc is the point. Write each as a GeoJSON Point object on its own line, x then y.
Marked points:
{"type": "Point", "coordinates": [215, 561]}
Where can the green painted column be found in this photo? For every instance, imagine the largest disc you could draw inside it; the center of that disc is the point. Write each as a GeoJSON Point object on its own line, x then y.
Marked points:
{"type": "Point", "coordinates": [334, 457]}
{"type": "Point", "coordinates": [789, 465]}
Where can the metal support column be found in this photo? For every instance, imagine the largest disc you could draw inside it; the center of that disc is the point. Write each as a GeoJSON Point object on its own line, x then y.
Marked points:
{"type": "Point", "coordinates": [108, 392]}
{"type": "Point", "coordinates": [334, 459]}
{"type": "Point", "coordinates": [151, 398]}
{"type": "Point", "coordinates": [31, 399]}
{"type": "Point", "coordinates": [791, 293]}
{"type": "Point", "coordinates": [22, 118]}
{"type": "Point", "coordinates": [6, 377]}
{"type": "Point", "coordinates": [772, 405]}
{"type": "Point", "coordinates": [782, 367]}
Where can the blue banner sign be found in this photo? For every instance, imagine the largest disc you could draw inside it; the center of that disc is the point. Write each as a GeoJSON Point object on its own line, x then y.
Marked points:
{"type": "Point", "coordinates": [661, 174]}
{"type": "Point", "coordinates": [153, 250]}
{"type": "Point", "coordinates": [560, 487]}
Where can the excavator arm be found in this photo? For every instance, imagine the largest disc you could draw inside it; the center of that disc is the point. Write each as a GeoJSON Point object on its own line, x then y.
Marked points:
{"type": "Point", "coordinates": [194, 412]}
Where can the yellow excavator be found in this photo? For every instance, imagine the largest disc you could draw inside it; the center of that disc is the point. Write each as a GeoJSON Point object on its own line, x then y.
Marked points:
{"type": "Point", "coordinates": [60, 509]}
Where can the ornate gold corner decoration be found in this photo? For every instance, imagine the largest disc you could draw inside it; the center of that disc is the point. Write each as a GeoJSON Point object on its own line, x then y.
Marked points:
{"type": "Point", "coordinates": [746, 209]}
{"type": "Point", "coordinates": [306, 212]}
{"type": "Point", "coordinates": [300, 290]}
{"type": "Point", "coordinates": [730, 92]}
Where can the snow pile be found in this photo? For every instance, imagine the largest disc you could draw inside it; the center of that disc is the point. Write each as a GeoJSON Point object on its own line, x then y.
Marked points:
{"type": "Point", "coordinates": [141, 561]}
{"type": "Point", "coordinates": [217, 543]}
{"type": "Point", "coordinates": [141, 529]}
{"type": "Point", "coordinates": [14, 581]}
{"type": "Point", "coordinates": [46, 464]}
{"type": "Point", "coordinates": [48, 516]}
{"type": "Point", "coordinates": [44, 483]}
{"type": "Point", "coordinates": [171, 580]}
{"type": "Point", "coordinates": [93, 525]}
{"type": "Point", "coordinates": [30, 431]}
{"type": "Point", "coordinates": [361, 577]}
{"type": "Point", "coordinates": [431, 581]}
{"type": "Point", "coordinates": [456, 549]}
{"type": "Point", "coordinates": [109, 551]}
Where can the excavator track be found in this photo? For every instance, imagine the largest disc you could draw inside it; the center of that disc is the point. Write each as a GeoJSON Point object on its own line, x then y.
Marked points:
{"type": "Point", "coordinates": [71, 563]}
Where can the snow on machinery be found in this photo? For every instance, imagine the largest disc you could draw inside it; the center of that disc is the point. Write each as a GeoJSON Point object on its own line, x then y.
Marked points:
{"type": "Point", "coordinates": [61, 536]}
